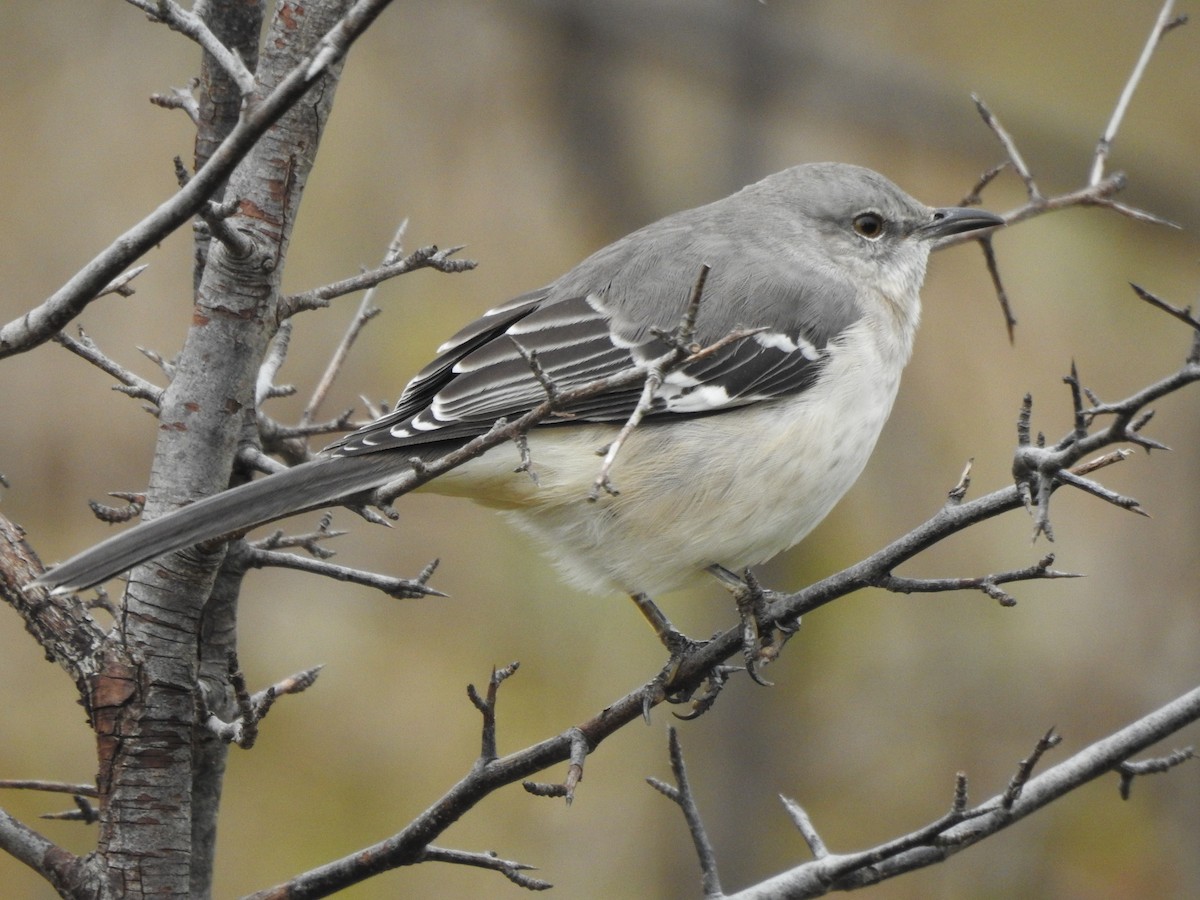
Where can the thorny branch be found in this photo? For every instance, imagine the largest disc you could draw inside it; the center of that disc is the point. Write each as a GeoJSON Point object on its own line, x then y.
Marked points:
{"type": "Point", "coordinates": [1040, 471]}
{"type": "Point", "coordinates": [132, 384]}
{"type": "Point", "coordinates": [400, 588]}
{"type": "Point", "coordinates": [425, 258]}
{"type": "Point", "coordinates": [252, 708]}
{"type": "Point", "coordinates": [1099, 190]}
{"type": "Point", "coordinates": [963, 827]}
{"type": "Point", "coordinates": [681, 795]}
{"type": "Point", "coordinates": [367, 310]}
{"type": "Point", "coordinates": [41, 323]}
{"type": "Point", "coordinates": [1166, 21]}
{"type": "Point", "coordinates": [188, 23]}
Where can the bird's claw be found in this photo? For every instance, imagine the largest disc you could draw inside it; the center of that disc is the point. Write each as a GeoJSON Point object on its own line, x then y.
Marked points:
{"type": "Point", "coordinates": [713, 684]}
{"type": "Point", "coordinates": [762, 636]}
{"type": "Point", "coordinates": [662, 688]}
{"type": "Point", "coordinates": [682, 648]}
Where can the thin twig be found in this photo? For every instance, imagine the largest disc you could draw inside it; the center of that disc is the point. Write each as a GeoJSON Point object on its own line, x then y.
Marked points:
{"type": "Point", "coordinates": [1165, 22]}
{"type": "Point", "coordinates": [1130, 770]}
{"type": "Point", "coordinates": [53, 787]}
{"type": "Point", "coordinates": [264, 383]}
{"type": "Point", "coordinates": [805, 826]}
{"type": "Point", "coordinates": [1184, 314]}
{"type": "Point", "coordinates": [987, 584]}
{"type": "Point", "coordinates": [367, 310]}
{"type": "Point", "coordinates": [425, 258]}
{"type": "Point", "coordinates": [682, 344]}
{"type": "Point", "coordinates": [400, 588]}
{"type": "Point", "coordinates": [49, 317]}
{"type": "Point", "coordinates": [510, 869]}
{"type": "Point", "coordinates": [133, 385]}
{"type": "Point", "coordinates": [1025, 768]}
{"type": "Point", "coordinates": [252, 708]}
{"type": "Point", "coordinates": [1010, 148]}
{"type": "Point", "coordinates": [486, 705]}
{"type": "Point", "coordinates": [186, 23]}
{"type": "Point", "coordinates": [993, 269]}
{"type": "Point", "coordinates": [681, 795]}
{"type": "Point", "coordinates": [182, 98]}
{"type": "Point", "coordinates": [120, 284]}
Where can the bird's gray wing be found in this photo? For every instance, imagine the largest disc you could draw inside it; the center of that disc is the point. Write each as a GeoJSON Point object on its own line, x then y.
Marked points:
{"type": "Point", "coordinates": [606, 315]}
{"type": "Point", "coordinates": [484, 372]}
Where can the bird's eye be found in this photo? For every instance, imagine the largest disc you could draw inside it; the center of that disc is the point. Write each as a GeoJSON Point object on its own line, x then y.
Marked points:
{"type": "Point", "coordinates": [868, 225]}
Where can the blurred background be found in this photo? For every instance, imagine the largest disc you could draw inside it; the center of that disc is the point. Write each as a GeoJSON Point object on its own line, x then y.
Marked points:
{"type": "Point", "coordinates": [534, 132]}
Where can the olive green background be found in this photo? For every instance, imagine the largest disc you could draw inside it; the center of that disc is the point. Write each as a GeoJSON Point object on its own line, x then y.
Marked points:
{"type": "Point", "coordinates": [534, 132]}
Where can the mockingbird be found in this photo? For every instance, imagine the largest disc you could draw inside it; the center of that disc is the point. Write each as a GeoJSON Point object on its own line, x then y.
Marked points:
{"type": "Point", "coordinates": [740, 453]}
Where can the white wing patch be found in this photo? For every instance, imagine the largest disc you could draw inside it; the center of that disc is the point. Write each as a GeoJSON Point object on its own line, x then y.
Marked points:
{"type": "Point", "coordinates": [775, 340]}
{"type": "Point", "coordinates": [708, 398]}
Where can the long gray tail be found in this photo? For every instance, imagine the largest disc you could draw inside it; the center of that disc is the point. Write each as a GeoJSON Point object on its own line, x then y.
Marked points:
{"type": "Point", "coordinates": [307, 486]}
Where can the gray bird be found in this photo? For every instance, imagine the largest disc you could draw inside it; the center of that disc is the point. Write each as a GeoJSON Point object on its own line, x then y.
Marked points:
{"type": "Point", "coordinates": [740, 453]}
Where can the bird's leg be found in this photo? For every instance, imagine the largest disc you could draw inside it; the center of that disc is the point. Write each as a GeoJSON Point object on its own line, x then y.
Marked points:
{"type": "Point", "coordinates": [762, 636]}
{"type": "Point", "coordinates": [673, 639]}
{"type": "Point", "coordinates": [681, 648]}
{"type": "Point", "coordinates": [679, 645]}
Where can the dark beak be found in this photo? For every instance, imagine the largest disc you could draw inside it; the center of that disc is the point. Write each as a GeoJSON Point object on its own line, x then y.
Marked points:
{"type": "Point", "coordinates": [951, 220]}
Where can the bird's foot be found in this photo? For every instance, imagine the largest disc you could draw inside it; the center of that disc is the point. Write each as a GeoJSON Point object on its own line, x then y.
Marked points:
{"type": "Point", "coordinates": [763, 636]}
{"type": "Point", "coordinates": [681, 649]}
{"type": "Point", "coordinates": [701, 696]}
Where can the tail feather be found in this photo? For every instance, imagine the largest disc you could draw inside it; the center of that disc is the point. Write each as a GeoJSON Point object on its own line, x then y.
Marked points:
{"type": "Point", "coordinates": [307, 486]}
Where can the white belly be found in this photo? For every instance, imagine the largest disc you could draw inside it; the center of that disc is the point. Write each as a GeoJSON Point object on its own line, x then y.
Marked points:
{"type": "Point", "coordinates": [733, 489]}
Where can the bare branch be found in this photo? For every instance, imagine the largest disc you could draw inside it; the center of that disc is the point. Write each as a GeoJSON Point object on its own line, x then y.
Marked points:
{"type": "Point", "coordinates": [120, 284]}
{"type": "Point", "coordinates": [41, 323]}
{"type": "Point", "coordinates": [367, 310]}
{"type": "Point", "coordinates": [426, 258]}
{"type": "Point", "coordinates": [805, 826]}
{"type": "Point", "coordinates": [961, 828]}
{"type": "Point", "coordinates": [566, 789]}
{"type": "Point", "coordinates": [42, 855]}
{"type": "Point", "coordinates": [83, 812]}
{"type": "Point", "coordinates": [1010, 148]}
{"type": "Point", "coordinates": [61, 624]}
{"type": "Point", "coordinates": [975, 195]}
{"type": "Point", "coordinates": [508, 868]}
{"type": "Point", "coordinates": [681, 341]}
{"type": "Point", "coordinates": [956, 494]}
{"type": "Point", "coordinates": [181, 98]}
{"type": "Point", "coordinates": [681, 795]}
{"type": "Point", "coordinates": [133, 385]}
{"type": "Point", "coordinates": [400, 588]}
{"type": "Point", "coordinates": [186, 23]}
{"type": "Point", "coordinates": [53, 787]}
{"type": "Point", "coordinates": [988, 584]}
{"type": "Point", "coordinates": [993, 268]}
{"type": "Point", "coordinates": [264, 385]}
{"type": "Point", "coordinates": [216, 219]}
{"type": "Point", "coordinates": [1130, 770]}
{"type": "Point", "coordinates": [1166, 22]}
{"type": "Point", "coordinates": [1184, 314]}
{"type": "Point", "coordinates": [487, 706]}
{"type": "Point", "coordinates": [135, 503]}
{"type": "Point", "coordinates": [1021, 777]}
{"type": "Point", "coordinates": [252, 709]}
{"type": "Point", "coordinates": [274, 434]}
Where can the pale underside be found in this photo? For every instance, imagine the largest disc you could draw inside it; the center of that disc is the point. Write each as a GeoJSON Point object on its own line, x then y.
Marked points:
{"type": "Point", "coordinates": [805, 450]}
